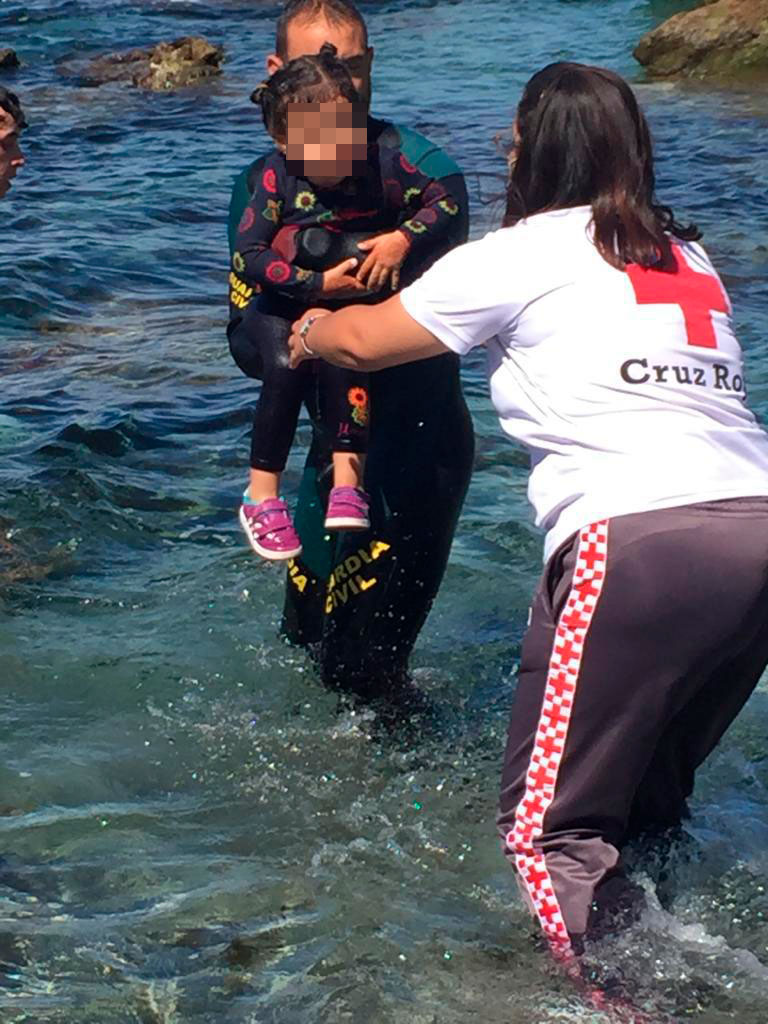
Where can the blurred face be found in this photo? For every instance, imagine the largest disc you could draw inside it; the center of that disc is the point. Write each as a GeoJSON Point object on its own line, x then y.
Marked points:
{"type": "Point", "coordinates": [11, 157]}
{"type": "Point", "coordinates": [326, 142]}
{"type": "Point", "coordinates": [306, 36]}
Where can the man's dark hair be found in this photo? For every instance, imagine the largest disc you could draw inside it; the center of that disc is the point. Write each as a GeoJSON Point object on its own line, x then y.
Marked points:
{"type": "Point", "coordinates": [584, 141]}
{"type": "Point", "coordinates": [336, 12]}
{"type": "Point", "coordinates": [9, 102]}
{"type": "Point", "coordinates": [316, 78]}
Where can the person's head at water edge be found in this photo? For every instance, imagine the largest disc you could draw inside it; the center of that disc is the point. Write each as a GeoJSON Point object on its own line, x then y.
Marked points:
{"type": "Point", "coordinates": [306, 25]}
{"type": "Point", "coordinates": [581, 139]}
{"type": "Point", "coordinates": [11, 124]}
{"type": "Point", "coordinates": [313, 112]}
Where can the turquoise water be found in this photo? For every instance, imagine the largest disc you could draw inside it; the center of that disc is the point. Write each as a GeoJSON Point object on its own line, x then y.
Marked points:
{"type": "Point", "coordinates": [193, 830]}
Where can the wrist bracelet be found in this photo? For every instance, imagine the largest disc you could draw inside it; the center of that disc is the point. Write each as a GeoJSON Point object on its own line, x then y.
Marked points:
{"type": "Point", "coordinates": [303, 331]}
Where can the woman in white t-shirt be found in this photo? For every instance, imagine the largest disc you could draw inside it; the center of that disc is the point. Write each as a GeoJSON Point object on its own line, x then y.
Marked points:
{"type": "Point", "coordinates": [612, 359]}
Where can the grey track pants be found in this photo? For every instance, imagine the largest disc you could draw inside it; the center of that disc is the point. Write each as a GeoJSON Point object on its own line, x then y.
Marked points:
{"type": "Point", "coordinates": [648, 633]}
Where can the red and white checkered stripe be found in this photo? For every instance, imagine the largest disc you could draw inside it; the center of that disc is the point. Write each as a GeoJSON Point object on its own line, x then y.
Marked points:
{"type": "Point", "coordinates": [552, 731]}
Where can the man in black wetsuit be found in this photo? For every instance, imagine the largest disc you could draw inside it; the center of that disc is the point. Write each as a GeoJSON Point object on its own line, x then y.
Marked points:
{"type": "Point", "coordinates": [361, 601]}
{"type": "Point", "coordinates": [11, 123]}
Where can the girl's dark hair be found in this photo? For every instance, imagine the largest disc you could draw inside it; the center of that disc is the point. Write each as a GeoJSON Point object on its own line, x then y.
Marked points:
{"type": "Point", "coordinates": [583, 140]}
{"type": "Point", "coordinates": [317, 78]}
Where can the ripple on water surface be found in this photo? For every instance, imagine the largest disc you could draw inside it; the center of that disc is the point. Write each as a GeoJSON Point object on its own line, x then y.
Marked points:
{"type": "Point", "coordinates": [192, 830]}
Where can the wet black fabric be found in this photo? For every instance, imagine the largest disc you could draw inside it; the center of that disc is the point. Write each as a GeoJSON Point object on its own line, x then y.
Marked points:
{"type": "Point", "coordinates": [420, 457]}
{"type": "Point", "coordinates": [676, 644]}
{"type": "Point", "coordinates": [364, 618]}
{"type": "Point", "coordinates": [356, 600]}
{"type": "Point", "coordinates": [334, 396]}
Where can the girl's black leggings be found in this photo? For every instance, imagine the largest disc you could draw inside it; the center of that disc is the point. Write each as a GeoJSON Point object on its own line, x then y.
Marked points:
{"type": "Point", "coordinates": [259, 346]}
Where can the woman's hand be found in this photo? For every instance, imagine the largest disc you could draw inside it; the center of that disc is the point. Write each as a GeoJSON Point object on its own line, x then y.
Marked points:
{"type": "Point", "coordinates": [339, 280]}
{"type": "Point", "coordinates": [385, 257]}
{"type": "Point", "coordinates": [297, 348]}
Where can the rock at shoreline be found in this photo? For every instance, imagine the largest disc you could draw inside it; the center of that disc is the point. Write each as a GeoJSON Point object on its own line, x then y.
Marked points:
{"type": "Point", "coordinates": [183, 62]}
{"type": "Point", "coordinates": [722, 39]}
{"type": "Point", "coordinates": [9, 60]}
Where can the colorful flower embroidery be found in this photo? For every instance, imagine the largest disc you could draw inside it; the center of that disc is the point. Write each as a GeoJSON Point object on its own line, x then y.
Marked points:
{"type": "Point", "coordinates": [427, 216]}
{"type": "Point", "coordinates": [305, 200]}
{"type": "Point", "coordinates": [302, 274]}
{"type": "Point", "coordinates": [269, 180]}
{"type": "Point", "coordinates": [284, 242]}
{"type": "Point", "coordinates": [358, 399]}
{"type": "Point", "coordinates": [278, 271]}
{"type": "Point", "coordinates": [411, 193]}
{"type": "Point", "coordinates": [433, 191]}
{"type": "Point", "coordinates": [415, 227]}
{"type": "Point", "coordinates": [273, 210]}
{"type": "Point", "coordinates": [406, 165]}
{"type": "Point", "coordinates": [238, 262]}
{"type": "Point", "coordinates": [449, 206]}
{"type": "Point", "coordinates": [247, 219]}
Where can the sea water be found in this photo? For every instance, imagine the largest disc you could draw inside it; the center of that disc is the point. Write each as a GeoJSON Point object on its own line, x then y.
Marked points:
{"type": "Point", "coordinates": [192, 829]}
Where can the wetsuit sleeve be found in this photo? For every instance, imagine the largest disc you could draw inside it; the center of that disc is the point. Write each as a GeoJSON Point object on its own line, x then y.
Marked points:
{"type": "Point", "coordinates": [240, 292]}
{"type": "Point", "coordinates": [254, 258]}
{"type": "Point", "coordinates": [437, 165]}
{"type": "Point", "coordinates": [432, 209]}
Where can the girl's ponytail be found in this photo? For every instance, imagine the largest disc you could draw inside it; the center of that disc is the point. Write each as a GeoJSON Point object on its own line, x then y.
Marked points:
{"type": "Point", "coordinates": [264, 96]}
{"type": "Point", "coordinates": [315, 78]}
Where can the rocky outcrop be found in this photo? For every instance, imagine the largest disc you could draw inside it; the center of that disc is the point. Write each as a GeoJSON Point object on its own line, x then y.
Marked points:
{"type": "Point", "coordinates": [174, 65]}
{"type": "Point", "coordinates": [8, 60]}
{"type": "Point", "coordinates": [722, 39]}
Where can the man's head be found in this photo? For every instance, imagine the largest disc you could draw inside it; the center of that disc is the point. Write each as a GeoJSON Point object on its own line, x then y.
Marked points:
{"type": "Point", "coordinates": [305, 25]}
{"type": "Point", "coordinates": [11, 123]}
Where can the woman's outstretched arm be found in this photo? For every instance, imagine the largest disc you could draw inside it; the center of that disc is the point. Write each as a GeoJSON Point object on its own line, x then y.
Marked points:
{"type": "Point", "coordinates": [364, 337]}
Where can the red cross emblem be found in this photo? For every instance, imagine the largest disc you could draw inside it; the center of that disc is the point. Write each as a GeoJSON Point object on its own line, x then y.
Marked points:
{"type": "Point", "coordinates": [549, 745]}
{"type": "Point", "coordinates": [697, 294]}
{"type": "Point", "coordinates": [549, 910]}
{"type": "Point", "coordinates": [536, 876]}
{"type": "Point", "coordinates": [541, 777]}
{"type": "Point", "coordinates": [532, 805]}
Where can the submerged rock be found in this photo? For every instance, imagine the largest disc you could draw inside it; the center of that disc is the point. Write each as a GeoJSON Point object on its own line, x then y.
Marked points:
{"type": "Point", "coordinates": [173, 65]}
{"type": "Point", "coordinates": [9, 59]}
{"type": "Point", "coordinates": [724, 39]}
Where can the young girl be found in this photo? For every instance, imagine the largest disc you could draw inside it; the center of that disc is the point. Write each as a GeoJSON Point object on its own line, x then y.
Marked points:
{"type": "Point", "coordinates": [321, 189]}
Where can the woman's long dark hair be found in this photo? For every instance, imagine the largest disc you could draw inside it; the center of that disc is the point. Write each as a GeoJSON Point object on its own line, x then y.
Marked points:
{"type": "Point", "coordinates": [583, 140]}
{"type": "Point", "coordinates": [316, 78]}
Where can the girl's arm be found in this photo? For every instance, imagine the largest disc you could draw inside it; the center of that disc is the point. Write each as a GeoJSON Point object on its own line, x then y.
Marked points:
{"type": "Point", "coordinates": [422, 235]}
{"type": "Point", "coordinates": [364, 337]}
{"type": "Point", "coordinates": [434, 207]}
{"type": "Point", "coordinates": [254, 258]}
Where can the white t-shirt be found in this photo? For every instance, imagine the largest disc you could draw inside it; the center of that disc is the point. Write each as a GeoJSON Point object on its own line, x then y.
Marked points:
{"type": "Point", "coordinates": [626, 400]}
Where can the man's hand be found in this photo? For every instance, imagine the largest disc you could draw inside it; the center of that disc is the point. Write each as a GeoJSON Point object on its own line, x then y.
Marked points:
{"type": "Point", "coordinates": [300, 350]}
{"type": "Point", "coordinates": [339, 281]}
{"type": "Point", "coordinates": [385, 257]}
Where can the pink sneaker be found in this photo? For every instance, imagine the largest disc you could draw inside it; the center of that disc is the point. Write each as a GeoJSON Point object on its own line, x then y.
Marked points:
{"type": "Point", "coordinates": [347, 509]}
{"type": "Point", "coordinates": [269, 529]}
